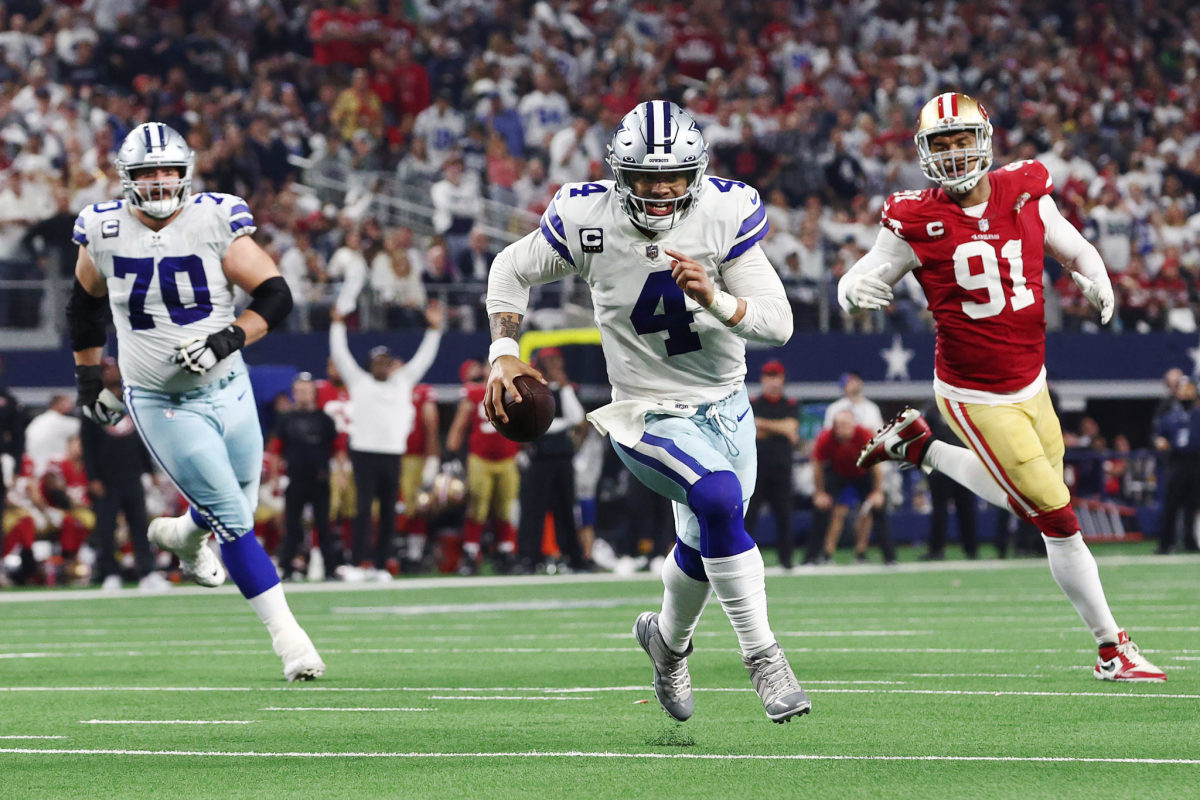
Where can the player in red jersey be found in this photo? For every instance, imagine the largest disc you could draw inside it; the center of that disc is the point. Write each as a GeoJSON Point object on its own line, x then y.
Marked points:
{"type": "Point", "coordinates": [493, 479]}
{"type": "Point", "coordinates": [418, 467]}
{"type": "Point", "coordinates": [976, 246]}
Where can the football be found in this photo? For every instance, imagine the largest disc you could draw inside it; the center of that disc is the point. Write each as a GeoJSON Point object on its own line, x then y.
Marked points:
{"type": "Point", "coordinates": [531, 417]}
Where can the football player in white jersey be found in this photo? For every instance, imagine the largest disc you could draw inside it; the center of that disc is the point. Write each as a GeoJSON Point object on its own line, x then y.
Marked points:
{"type": "Point", "coordinates": [166, 262]}
{"type": "Point", "coordinates": [678, 282]}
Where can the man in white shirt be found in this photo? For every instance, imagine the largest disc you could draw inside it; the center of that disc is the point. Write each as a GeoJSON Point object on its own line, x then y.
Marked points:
{"type": "Point", "coordinates": [383, 418]}
{"type": "Point", "coordinates": [866, 413]}
{"type": "Point", "coordinates": [48, 433]}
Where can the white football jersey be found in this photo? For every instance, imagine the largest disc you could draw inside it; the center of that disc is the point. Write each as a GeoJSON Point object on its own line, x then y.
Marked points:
{"type": "Point", "coordinates": [165, 286]}
{"type": "Point", "coordinates": [658, 343]}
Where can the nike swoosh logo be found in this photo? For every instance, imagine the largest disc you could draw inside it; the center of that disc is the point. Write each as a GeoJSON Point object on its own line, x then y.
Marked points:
{"type": "Point", "coordinates": [743, 415]}
{"type": "Point", "coordinates": [240, 396]}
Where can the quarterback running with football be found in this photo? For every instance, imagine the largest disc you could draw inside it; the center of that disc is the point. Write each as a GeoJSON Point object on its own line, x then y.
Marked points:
{"type": "Point", "coordinates": [167, 263]}
{"type": "Point", "coordinates": [679, 283]}
{"type": "Point", "coordinates": [976, 246]}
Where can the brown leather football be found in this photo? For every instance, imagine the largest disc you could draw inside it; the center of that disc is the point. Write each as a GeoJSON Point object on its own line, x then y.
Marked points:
{"type": "Point", "coordinates": [531, 417]}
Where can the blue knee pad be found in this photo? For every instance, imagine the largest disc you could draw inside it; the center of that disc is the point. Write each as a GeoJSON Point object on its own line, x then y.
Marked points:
{"type": "Point", "coordinates": [716, 499]}
{"type": "Point", "coordinates": [689, 560]}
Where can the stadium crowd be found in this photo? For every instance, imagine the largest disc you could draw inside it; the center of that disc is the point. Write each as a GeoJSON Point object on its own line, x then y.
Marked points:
{"type": "Point", "coordinates": [474, 111]}
{"type": "Point", "coordinates": [393, 146]}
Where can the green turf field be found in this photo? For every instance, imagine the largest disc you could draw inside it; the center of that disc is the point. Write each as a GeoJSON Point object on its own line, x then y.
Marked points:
{"type": "Point", "coordinates": [947, 681]}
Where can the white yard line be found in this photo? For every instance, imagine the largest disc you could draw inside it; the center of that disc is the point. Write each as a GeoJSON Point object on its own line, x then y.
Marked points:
{"type": "Point", "coordinates": [22, 736]}
{"type": "Point", "coordinates": [335, 708]}
{"type": "Point", "coordinates": [501, 697]}
{"type": "Point", "coordinates": [600, 754]}
{"type": "Point", "coordinates": [166, 722]}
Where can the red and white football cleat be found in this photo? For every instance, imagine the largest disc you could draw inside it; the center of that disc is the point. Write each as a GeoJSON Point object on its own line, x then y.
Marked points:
{"type": "Point", "coordinates": [905, 438]}
{"type": "Point", "coordinates": [1123, 662]}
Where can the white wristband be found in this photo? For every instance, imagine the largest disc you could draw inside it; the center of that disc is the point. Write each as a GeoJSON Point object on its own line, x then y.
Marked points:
{"type": "Point", "coordinates": [724, 306]}
{"type": "Point", "coordinates": [503, 347]}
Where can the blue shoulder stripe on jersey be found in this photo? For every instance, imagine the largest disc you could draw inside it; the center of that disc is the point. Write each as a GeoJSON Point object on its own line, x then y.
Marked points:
{"type": "Point", "coordinates": [751, 222]}
{"type": "Point", "coordinates": [237, 224]}
{"type": "Point", "coordinates": [748, 242]}
{"type": "Point", "coordinates": [559, 246]}
{"type": "Point", "coordinates": [556, 221]}
{"type": "Point", "coordinates": [79, 234]}
{"type": "Point", "coordinates": [240, 208]}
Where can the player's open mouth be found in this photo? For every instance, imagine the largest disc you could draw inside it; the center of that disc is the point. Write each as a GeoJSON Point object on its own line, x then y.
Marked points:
{"type": "Point", "coordinates": [659, 209]}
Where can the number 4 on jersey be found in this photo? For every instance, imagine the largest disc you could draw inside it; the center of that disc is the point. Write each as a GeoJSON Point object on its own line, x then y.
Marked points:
{"type": "Point", "coordinates": [674, 318]}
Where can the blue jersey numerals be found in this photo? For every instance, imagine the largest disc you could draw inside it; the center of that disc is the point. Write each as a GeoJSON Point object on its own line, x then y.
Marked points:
{"type": "Point", "coordinates": [586, 189]}
{"type": "Point", "coordinates": [674, 318]}
{"type": "Point", "coordinates": [169, 269]}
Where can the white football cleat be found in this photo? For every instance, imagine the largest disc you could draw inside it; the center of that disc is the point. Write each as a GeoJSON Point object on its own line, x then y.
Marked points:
{"type": "Point", "coordinates": [301, 662]}
{"type": "Point", "coordinates": [781, 694]}
{"type": "Point", "coordinates": [1123, 662]}
{"type": "Point", "coordinates": [196, 558]}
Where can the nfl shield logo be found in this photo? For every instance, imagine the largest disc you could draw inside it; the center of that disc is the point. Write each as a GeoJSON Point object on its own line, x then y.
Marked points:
{"type": "Point", "coordinates": [651, 251]}
{"type": "Point", "coordinates": [983, 225]}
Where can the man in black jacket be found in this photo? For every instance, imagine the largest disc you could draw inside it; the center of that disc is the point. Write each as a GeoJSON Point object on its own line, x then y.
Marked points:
{"type": "Point", "coordinates": [306, 436]}
{"type": "Point", "coordinates": [778, 430]}
{"type": "Point", "coordinates": [115, 461]}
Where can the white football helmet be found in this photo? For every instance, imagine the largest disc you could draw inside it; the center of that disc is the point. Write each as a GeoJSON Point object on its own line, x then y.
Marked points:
{"type": "Point", "coordinates": [956, 170]}
{"type": "Point", "coordinates": [151, 145]}
{"type": "Point", "coordinates": [657, 137]}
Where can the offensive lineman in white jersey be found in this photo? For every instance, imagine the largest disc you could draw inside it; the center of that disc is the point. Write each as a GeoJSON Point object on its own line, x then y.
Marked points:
{"type": "Point", "coordinates": [167, 263]}
{"type": "Point", "coordinates": [678, 282]}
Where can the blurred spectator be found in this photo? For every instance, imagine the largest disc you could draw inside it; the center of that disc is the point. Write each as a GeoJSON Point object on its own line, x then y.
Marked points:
{"type": "Point", "coordinates": [382, 420]}
{"type": "Point", "coordinates": [839, 486]}
{"type": "Point", "coordinates": [357, 107]}
{"type": "Point", "coordinates": [543, 112]}
{"type": "Point", "coordinates": [777, 421]}
{"type": "Point", "coordinates": [396, 279]}
{"type": "Point", "coordinates": [1177, 435]}
{"type": "Point", "coordinates": [304, 437]}
{"type": "Point", "coordinates": [116, 463]}
{"type": "Point", "coordinates": [441, 127]}
{"type": "Point", "coordinates": [418, 469]}
{"type": "Point", "coordinates": [457, 206]}
{"type": "Point", "coordinates": [493, 480]}
{"type": "Point", "coordinates": [864, 411]}
{"type": "Point", "coordinates": [548, 481]}
{"type": "Point", "coordinates": [474, 262]}
{"type": "Point", "coordinates": [48, 435]}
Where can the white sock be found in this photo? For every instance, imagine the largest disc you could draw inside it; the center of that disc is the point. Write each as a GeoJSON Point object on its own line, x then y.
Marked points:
{"type": "Point", "coordinates": [740, 584]}
{"type": "Point", "coordinates": [684, 599]}
{"type": "Point", "coordinates": [272, 608]}
{"type": "Point", "coordinates": [416, 546]}
{"type": "Point", "coordinates": [963, 466]}
{"type": "Point", "coordinates": [1075, 571]}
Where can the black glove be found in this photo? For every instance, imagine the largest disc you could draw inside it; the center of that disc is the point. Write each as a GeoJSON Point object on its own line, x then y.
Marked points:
{"type": "Point", "coordinates": [200, 355]}
{"type": "Point", "coordinates": [94, 401]}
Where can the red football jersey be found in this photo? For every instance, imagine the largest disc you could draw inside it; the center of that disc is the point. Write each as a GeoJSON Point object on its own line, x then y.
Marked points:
{"type": "Point", "coordinates": [841, 457]}
{"type": "Point", "coordinates": [422, 393]}
{"type": "Point", "coordinates": [982, 277]}
{"type": "Point", "coordinates": [486, 441]}
{"type": "Point", "coordinates": [335, 401]}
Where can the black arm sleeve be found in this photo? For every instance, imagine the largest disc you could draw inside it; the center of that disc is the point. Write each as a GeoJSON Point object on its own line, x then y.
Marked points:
{"type": "Point", "coordinates": [87, 319]}
{"type": "Point", "coordinates": [272, 300]}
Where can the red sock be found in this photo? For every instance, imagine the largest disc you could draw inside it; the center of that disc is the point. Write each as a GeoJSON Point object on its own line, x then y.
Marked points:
{"type": "Point", "coordinates": [472, 532]}
{"type": "Point", "coordinates": [1059, 523]}
{"type": "Point", "coordinates": [71, 536]}
{"type": "Point", "coordinates": [506, 532]}
{"type": "Point", "coordinates": [22, 534]}
{"type": "Point", "coordinates": [419, 526]}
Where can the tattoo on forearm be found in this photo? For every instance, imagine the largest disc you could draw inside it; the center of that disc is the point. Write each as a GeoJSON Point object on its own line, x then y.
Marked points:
{"type": "Point", "coordinates": [504, 324]}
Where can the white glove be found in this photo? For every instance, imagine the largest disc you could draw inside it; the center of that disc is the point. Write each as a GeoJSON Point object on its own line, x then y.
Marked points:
{"type": "Point", "coordinates": [1098, 293]}
{"type": "Point", "coordinates": [868, 292]}
{"type": "Point", "coordinates": [107, 410]}
{"type": "Point", "coordinates": [196, 356]}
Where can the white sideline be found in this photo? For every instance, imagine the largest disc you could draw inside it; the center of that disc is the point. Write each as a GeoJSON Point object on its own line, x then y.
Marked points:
{"type": "Point", "coordinates": [419, 584]}
{"type": "Point", "coordinates": [500, 697]}
{"type": "Point", "coordinates": [1123, 693]}
{"type": "Point", "coordinates": [600, 754]}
